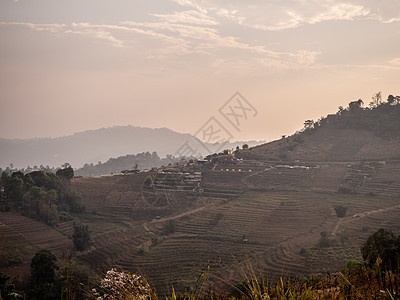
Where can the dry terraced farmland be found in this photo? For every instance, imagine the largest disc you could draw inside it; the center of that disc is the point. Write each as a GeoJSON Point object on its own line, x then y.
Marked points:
{"type": "Point", "coordinates": [271, 220]}
{"type": "Point", "coordinates": [21, 237]}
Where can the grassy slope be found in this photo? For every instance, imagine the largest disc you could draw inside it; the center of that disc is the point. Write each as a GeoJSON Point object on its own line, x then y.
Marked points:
{"type": "Point", "coordinates": [349, 135]}
{"type": "Point", "coordinates": [327, 144]}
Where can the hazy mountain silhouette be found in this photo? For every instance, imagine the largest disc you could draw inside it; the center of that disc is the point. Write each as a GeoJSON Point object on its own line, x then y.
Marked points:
{"type": "Point", "coordinates": [92, 146]}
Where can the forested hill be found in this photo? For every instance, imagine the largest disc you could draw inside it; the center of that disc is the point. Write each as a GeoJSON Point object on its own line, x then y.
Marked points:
{"type": "Point", "coordinates": [353, 133]}
{"type": "Point", "coordinates": [143, 160]}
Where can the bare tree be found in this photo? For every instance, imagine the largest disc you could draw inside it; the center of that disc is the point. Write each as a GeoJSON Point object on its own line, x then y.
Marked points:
{"type": "Point", "coordinates": [376, 100]}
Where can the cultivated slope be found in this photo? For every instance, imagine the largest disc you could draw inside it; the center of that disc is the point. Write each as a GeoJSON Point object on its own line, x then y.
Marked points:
{"type": "Point", "coordinates": [328, 144]}
{"type": "Point", "coordinates": [352, 134]}
{"type": "Point", "coordinates": [261, 219]}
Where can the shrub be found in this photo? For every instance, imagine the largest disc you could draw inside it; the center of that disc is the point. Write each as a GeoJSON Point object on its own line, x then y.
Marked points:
{"type": "Point", "coordinates": [343, 189]}
{"type": "Point", "coordinates": [168, 227]}
{"type": "Point", "coordinates": [15, 260]}
{"type": "Point", "coordinates": [7, 287]}
{"type": "Point", "coordinates": [122, 285]}
{"type": "Point", "coordinates": [326, 241]}
{"type": "Point", "coordinates": [352, 266]}
{"type": "Point", "coordinates": [344, 235]}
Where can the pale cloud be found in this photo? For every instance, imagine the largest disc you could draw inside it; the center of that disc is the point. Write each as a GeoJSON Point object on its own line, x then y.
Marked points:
{"type": "Point", "coordinates": [281, 15]}
{"type": "Point", "coordinates": [99, 34]}
{"type": "Point", "coordinates": [230, 14]}
{"type": "Point", "coordinates": [386, 11]}
{"type": "Point", "coordinates": [54, 28]}
{"type": "Point", "coordinates": [395, 61]}
{"type": "Point", "coordinates": [341, 11]}
{"type": "Point", "coordinates": [286, 61]}
{"type": "Point", "coordinates": [81, 29]}
{"type": "Point", "coordinates": [188, 17]}
{"type": "Point", "coordinates": [199, 29]}
{"type": "Point", "coordinates": [191, 4]}
{"type": "Point", "coordinates": [208, 40]}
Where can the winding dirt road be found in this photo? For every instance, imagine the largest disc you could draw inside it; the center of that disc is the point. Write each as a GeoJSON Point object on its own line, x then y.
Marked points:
{"type": "Point", "coordinates": [361, 215]}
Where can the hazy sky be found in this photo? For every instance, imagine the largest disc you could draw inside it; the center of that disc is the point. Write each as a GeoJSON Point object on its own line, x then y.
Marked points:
{"type": "Point", "coordinates": [68, 66]}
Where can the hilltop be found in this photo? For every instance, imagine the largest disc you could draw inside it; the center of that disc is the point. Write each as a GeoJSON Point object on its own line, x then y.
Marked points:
{"type": "Point", "coordinates": [354, 133]}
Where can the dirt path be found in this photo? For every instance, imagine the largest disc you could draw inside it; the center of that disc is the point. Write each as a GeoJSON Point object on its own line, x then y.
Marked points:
{"type": "Point", "coordinates": [180, 215]}
{"type": "Point", "coordinates": [361, 215]}
{"type": "Point", "coordinates": [146, 227]}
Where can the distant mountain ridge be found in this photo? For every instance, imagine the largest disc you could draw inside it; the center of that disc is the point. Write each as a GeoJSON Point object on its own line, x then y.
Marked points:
{"type": "Point", "coordinates": [92, 146]}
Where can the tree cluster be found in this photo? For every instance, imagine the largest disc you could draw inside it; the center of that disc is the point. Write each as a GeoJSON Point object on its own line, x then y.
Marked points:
{"type": "Point", "coordinates": [145, 160]}
{"type": "Point", "coordinates": [39, 194]}
{"type": "Point", "coordinates": [11, 169]}
{"type": "Point", "coordinates": [381, 117]}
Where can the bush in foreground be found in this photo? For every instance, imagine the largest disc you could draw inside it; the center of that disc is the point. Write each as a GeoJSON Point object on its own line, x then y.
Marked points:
{"type": "Point", "coordinates": [122, 286]}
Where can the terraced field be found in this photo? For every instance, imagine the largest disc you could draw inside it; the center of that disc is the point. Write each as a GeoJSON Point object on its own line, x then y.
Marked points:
{"type": "Point", "coordinates": [385, 181]}
{"type": "Point", "coordinates": [22, 237]}
{"type": "Point", "coordinates": [261, 218]}
{"type": "Point", "coordinates": [282, 178]}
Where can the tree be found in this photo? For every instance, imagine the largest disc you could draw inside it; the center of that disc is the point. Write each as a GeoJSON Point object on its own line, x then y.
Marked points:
{"type": "Point", "coordinates": [386, 246]}
{"type": "Point", "coordinates": [43, 267]}
{"type": "Point", "coordinates": [81, 237]}
{"type": "Point", "coordinates": [340, 211]}
{"type": "Point", "coordinates": [43, 274]}
{"type": "Point", "coordinates": [354, 105]}
{"type": "Point", "coordinates": [376, 100]}
{"type": "Point", "coordinates": [308, 124]}
{"type": "Point", "coordinates": [66, 173]}
{"type": "Point", "coordinates": [392, 100]}
{"type": "Point", "coordinates": [13, 187]}
{"type": "Point", "coordinates": [245, 146]}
